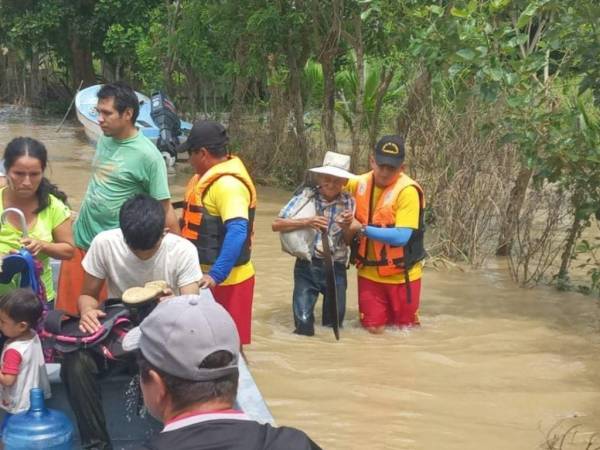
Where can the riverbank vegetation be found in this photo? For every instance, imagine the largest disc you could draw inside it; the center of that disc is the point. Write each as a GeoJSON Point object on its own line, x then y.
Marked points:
{"type": "Point", "coordinates": [497, 99]}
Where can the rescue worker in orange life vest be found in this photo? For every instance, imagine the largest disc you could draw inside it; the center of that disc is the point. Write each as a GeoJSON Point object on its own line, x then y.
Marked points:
{"type": "Point", "coordinates": [389, 242]}
{"type": "Point", "coordinates": [218, 218]}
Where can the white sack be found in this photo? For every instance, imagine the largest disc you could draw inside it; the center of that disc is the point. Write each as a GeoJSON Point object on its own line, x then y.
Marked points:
{"type": "Point", "coordinates": [299, 243]}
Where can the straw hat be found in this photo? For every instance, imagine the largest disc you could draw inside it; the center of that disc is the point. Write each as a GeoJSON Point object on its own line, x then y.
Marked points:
{"type": "Point", "coordinates": [335, 164]}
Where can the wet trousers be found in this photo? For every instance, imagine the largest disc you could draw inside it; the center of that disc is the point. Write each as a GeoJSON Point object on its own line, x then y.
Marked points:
{"type": "Point", "coordinates": [80, 372]}
{"type": "Point", "coordinates": [309, 282]}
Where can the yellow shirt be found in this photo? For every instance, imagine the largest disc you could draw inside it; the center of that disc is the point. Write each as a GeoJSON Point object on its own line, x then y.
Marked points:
{"type": "Point", "coordinates": [44, 224]}
{"type": "Point", "coordinates": [407, 216]}
{"type": "Point", "coordinates": [229, 198]}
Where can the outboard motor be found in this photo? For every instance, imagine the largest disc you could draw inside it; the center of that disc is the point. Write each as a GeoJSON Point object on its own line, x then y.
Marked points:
{"type": "Point", "coordinates": [165, 117]}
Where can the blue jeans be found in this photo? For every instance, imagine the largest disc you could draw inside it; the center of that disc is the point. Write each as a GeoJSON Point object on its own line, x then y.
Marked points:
{"type": "Point", "coordinates": [309, 282]}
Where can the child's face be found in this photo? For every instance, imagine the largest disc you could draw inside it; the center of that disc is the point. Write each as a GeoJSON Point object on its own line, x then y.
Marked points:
{"type": "Point", "coordinates": [10, 328]}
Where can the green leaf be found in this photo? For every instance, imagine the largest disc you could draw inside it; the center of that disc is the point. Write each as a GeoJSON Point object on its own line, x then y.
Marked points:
{"type": "Point", "coordinates": [482, 50]}
{"type": "Point", "coordinates": [458, 12]}
{"type": "Point", "coordinates": [435, 9]}
{"type": "Point", "coordinates": [454, 70]}
{"type": "Point", "coordinates": [365, 14]}
{"type": "Point", "coordinates": [466, 53]}
{"type": "Point", "coordinates": [494, 73]}
{"type": "Point", "coordinates": [497, 5]}
{"type": "Point", "coordinates": [529, 12]}
{"type": "Point", "coordinates": [585, 84]}
{"type": "Point", "coordinates": [472, 6]}
{"type": "Point", "coordinates": [514, 101]}
{"type": "Point", "coordinates": [518, 40]}
{"type": "Point", "coordinates": [511, 78]}
{"type": "Point", "coordinates": [489, 92]}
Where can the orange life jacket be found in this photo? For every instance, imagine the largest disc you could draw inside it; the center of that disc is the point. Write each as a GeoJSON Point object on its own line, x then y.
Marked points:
{"type": "Point", "coordinates": [205, 230]}
{"type": "Point", "coordinates": [389, 259]}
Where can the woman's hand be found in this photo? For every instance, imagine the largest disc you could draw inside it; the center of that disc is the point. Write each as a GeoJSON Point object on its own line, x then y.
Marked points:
{"type": "Point", "coordinates": [34, 246]}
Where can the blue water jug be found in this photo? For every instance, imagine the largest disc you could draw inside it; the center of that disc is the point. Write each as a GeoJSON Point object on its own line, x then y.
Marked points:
{"type": "Point", "coordinates": [38, 428]}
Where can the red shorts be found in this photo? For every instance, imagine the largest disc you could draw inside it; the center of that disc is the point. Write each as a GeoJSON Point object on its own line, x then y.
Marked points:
{"type": "Point", "coordinates": [383, 304]}
{"type": "Point", "coordinates": [237, 300]}
{"type": "Point", "coordinates": [70, 284]}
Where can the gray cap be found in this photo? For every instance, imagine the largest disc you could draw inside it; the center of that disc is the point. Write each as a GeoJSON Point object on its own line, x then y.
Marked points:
{"type": "Point", "coordinates": [181, 332]}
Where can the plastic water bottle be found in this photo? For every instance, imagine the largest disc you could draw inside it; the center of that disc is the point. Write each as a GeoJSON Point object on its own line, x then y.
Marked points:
{"type": "Point", "coordinates": [38, 428]}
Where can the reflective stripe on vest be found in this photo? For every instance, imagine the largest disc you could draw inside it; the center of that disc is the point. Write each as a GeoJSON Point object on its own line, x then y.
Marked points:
{"type": "Point", "coordinates": [207, 231]}
{"type": "Point", "coordinates": [389, 260]}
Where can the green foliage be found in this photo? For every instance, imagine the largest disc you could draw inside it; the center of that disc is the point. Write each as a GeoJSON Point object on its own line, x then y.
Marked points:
{"type": "Point", "coordinates": [346, 81]}
{"type": "Point", "coordinates": [535, 62]}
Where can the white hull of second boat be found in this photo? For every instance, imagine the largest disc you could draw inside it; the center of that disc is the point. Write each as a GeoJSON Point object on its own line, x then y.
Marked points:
{"type": "Point", "coordinates": [92, 129]}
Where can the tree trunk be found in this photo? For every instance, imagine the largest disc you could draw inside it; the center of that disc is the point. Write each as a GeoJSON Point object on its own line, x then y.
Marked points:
{"type": "Point", "coordinates": [34, 80]}
{"type": "Point", "coordinates": [328, 111]}
{"type": "Point", "coordinates": [517, 198]}
{"type": "Point", "coordinates": [278, 113]}
{"type": "Point", "coordinates": [418, 94]}
{"type": "Point", "coordinates": [12, 90]}
{"type": "Point", "coordinates": [295, 93]}
{"type": "Point", "coordinates": [565, 259]}
{"type": "Point", "coordinates": [384, 83]}
{"type": "Point", "coordinates": [3, 75]}
{"type": "Point", "coordinates": [355, 40]}
{"type": "Point", "coordinates": [240, 87]}
{"type": "Point", "coordinates": [81, 57]}
{"type": "Point", "coordinates": [327, 26]}
{"type": "Point", "coordinates": [170, 56]}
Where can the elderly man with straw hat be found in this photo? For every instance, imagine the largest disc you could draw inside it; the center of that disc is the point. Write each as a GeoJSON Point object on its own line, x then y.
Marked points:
{"type": "Point", "coordinates": [332, 210]}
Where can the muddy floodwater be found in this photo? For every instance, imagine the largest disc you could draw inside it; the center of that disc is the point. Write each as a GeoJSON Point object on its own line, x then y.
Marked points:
{"type": "Point", "coordinates": [492, 367]}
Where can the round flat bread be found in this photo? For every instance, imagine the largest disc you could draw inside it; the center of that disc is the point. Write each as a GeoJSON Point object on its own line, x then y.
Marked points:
{"type": "Point", "coordinates": [158, 284]}
{"type": "Point", "coordinates": [136, 295]}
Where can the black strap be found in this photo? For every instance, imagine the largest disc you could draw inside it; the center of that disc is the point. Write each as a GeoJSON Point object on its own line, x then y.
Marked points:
{"type": "Point", "coordinates": [179, 205]}
{"type": "Point", "coordinates": [193, 227]}
{"type": "Point", "coordinates": [54, 320]}
{"type": "Point", "coordinates": [398, 262]}
{"type": "Point", "coordinates": [110, 302]}
{"type": "Point", "coordinates": [407, 283]}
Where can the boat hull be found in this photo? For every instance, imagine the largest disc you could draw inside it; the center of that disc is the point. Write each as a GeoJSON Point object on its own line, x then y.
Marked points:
{"type": "Point", "coordinates": [126, 427]}
{"type": "Point", "coordinates": [85, 106]}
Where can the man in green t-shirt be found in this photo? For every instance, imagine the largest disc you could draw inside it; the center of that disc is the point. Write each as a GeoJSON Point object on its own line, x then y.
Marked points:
{"type": "Point", "coordinates": [126, 163]}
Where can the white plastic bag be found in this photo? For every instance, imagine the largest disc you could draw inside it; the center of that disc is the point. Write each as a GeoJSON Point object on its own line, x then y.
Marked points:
{"type": "Point", "coordinates": [299, 243]}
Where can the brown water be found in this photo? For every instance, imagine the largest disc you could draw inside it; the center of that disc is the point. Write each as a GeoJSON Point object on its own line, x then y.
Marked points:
{"type": "Point", "coordinates": [492, 367]}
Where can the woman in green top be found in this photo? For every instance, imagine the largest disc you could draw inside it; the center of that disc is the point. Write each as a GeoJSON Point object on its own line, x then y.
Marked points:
{"type": "Point", "coordinates": [48, 217]}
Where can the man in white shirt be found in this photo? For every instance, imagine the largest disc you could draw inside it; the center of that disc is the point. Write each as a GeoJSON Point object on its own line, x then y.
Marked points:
{"type": "Point", "coordinates": [141, 250]}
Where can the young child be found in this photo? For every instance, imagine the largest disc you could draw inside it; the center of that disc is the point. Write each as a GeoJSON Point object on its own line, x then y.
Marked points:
{"type": "Point", "coordinates": [22, 357]}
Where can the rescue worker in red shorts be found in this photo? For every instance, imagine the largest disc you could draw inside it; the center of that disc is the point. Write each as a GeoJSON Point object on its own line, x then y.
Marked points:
{"type": "Point", "coordinates": [389, 244]}
{"type": "Point", "coordinates": [218, 217]}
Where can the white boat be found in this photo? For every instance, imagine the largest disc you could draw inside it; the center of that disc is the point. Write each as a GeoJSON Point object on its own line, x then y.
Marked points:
{"type": "Point", "coordinates": [166, 135]}
{"type": "Point", "coordinates": [128, 426]}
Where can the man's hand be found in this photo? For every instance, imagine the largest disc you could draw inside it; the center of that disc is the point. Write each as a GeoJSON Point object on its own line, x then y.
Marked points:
{"type": "Point", "coordinates": [165, 294]}
{"type": "Point", "coordinates": [355, 226]}
{"type": "Point", "coordinates": [89, 320]}
{"type": "Point", "coordinates": [34, 246]}
{"type": "Point", "coordinates": [344, 219]}
{"type": "Point", "coordinates": [207, 282]}
{"type": "Point", "coordinates": [319, 223]}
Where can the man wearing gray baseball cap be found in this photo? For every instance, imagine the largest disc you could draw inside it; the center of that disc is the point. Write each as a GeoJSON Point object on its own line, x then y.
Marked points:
{"type": "Point", "coordinates": [188, 353]}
